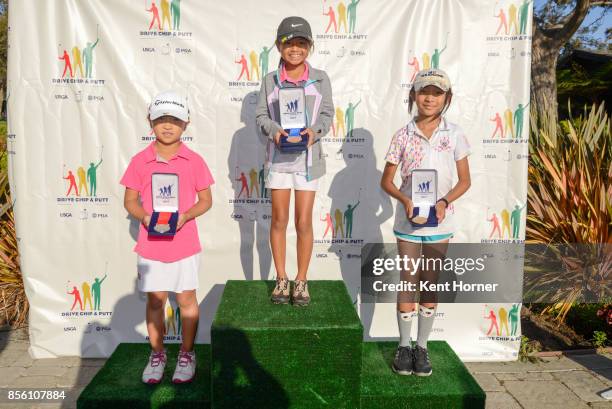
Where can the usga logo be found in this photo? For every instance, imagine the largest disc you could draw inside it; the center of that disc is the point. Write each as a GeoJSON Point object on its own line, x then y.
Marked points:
{"type": "Point", "coordinates": [506, 156]}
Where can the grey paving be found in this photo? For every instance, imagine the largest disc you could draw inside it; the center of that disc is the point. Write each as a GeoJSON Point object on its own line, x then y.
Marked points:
{"type": "Point", "coordinates": [544, 395]}
{"type": "Point", "coordinates": [560, 382]}
{"type": "Point", "coordinates": [584, 384]}
{"type": "Point", "coordinates": [501, 400]}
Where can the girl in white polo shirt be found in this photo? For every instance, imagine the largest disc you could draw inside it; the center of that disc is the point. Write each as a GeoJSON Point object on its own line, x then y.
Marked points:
{"type": "Point", "coordinates": [429, 141]}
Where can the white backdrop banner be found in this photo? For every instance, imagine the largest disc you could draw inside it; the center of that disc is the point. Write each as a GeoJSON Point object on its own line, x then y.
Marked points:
{"type": "Point", "coordinates": [82, 72]}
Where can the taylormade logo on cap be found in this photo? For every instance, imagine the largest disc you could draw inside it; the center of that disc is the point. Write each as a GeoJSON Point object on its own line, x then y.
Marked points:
{"type": "Point", "coordinates": [165, 101]}
{"type": "Point", "coordinates": [169, 103]}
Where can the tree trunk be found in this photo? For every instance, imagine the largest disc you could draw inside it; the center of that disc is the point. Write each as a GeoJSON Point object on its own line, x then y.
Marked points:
{"type": "Point", "coordinates": [546, 43]}
{"type": "Point", "coordinates": [544, 76]}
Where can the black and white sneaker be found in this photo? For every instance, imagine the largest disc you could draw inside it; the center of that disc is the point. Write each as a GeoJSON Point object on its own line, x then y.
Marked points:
{"type": "Point", "coordinates": [403, 362]}
{"type": "Point", "coordinates": [422, 365]}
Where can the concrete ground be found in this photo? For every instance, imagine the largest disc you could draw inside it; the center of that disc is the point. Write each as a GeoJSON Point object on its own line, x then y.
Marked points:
{"type": "Point", "coordinates": [566, 382]}
{"type": "Point", "coordinates": [558, 382]}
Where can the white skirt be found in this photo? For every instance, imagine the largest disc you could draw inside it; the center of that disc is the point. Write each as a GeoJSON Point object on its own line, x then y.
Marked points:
{"type": "Point", "coordinates": [178, 276]}
{"type": "Point", "coordinates": [295, 181]}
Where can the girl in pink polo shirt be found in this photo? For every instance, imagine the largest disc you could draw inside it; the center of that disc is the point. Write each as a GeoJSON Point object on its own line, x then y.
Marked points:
{"type": "Point", "coordinates": [169, 263]}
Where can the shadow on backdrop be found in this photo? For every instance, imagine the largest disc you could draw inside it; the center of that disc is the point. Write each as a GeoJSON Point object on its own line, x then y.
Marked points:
{"type": "Point", "coordinates": [252, 208]}
{"type": "Point", "coordinates": [358, 209]}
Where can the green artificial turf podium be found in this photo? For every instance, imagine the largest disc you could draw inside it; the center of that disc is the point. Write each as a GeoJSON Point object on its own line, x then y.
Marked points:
{"type": "Point", "coordinates": [284, 356]}
{"type": "Point", "coordinates": [118, 384]}
{"type": "Point", "coordinates": [450, 386]}
{"type": "Point", "coordinates": [266, 356]}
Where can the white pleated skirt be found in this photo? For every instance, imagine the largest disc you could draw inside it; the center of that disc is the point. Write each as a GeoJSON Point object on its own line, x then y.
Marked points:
{"type": "Point", "coordinates": [178, 276]}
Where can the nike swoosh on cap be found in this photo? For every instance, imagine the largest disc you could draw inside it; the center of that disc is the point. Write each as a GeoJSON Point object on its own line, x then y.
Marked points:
{"type": "Point", "coordinates": [296, 25]}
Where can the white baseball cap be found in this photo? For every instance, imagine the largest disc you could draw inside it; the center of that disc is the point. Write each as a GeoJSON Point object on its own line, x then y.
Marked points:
{"type": "Point", "coordinates": [169, 103]}
{"type": "Point", "coordinates": [434, 76]}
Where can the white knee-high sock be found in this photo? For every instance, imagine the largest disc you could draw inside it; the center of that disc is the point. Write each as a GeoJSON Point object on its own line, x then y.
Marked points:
{"type": "Point", "coordinates": [426, 319]}
{"type": "Point", "coordinates": [404, 323]}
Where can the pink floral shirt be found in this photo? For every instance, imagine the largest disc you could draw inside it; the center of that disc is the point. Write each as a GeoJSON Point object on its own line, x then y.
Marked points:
{"type": "Point", "coordinates": [411, 150]}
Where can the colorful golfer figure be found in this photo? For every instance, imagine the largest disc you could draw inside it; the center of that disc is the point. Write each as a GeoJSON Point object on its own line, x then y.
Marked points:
{"type": "Point", "coordinates": [88, 56]}
{"type": "Point", "coordinates": [518, 119]}
{"type": "Point", "coordinates": [349, 116]}
{"type": "Point", "coordinates": [175, 8]}
{"type": "Point", "coordinates": [352, 15]}
{"type": "Point", "coordinates": [515, 220]}
{"type": "Point", "coordinates": [263, 60]}
{"type": "Point", "coordinates": [348, 217]}
{"type": "Point", "coordinates": [97, 291]}
{"type": "Point", "coordinates": [92, 177]}
{"type": "Point", "coordinates": [67, 65]}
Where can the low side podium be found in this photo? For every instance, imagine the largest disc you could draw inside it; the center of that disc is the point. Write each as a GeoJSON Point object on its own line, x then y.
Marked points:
{"type": "Point", "coordinates": [283, 356]}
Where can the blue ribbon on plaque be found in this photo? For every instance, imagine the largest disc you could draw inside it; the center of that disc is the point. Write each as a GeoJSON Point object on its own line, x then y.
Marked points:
{"type": "Point", "coordinates": [292, 105]}
{"type": "Point", "coordinates": [164, 189]}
